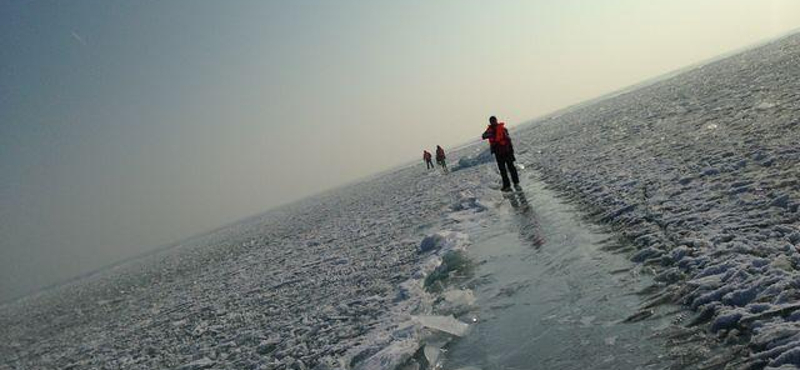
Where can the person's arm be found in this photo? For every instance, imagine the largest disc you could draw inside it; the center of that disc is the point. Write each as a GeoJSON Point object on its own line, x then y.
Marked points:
{"type": "Point", "coordinates": [487, 134]}
{"type": "Point", "coordinates": [510, 144]}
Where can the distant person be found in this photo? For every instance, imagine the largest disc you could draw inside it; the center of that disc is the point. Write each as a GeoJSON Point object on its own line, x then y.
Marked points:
{"type": "Point", "coordinates": [426, 155]}
{"type": "Point", "coordinates": [440, 158]}
{"type": "Point", "coordinates": [500, 145]}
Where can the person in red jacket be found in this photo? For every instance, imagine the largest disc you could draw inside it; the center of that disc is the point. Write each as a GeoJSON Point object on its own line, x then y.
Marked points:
{"type": "Point", "coordinates": [440, 158]}
{"type": "Point", "coordinates": [503, 150]}
{"type": "Point", "coordinates": [426, 155]}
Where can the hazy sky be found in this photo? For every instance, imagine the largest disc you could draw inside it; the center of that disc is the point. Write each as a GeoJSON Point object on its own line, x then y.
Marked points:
{"type": "Point", "coordinates": [129, 125]}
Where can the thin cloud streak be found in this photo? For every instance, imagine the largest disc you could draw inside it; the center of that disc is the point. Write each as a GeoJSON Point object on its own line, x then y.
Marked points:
{"type": "Point", "coordinates": [79, 38]}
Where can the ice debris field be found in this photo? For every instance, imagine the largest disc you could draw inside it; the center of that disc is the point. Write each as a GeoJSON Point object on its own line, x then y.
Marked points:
{"type": "Point", "coordinates": [698, 172]}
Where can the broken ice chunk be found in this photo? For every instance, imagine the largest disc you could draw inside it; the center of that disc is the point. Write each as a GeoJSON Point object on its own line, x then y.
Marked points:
{"type": "Point", "coordinates": [432, 355]}
{"type": "Point", "coordinates": [431, 243]}
{"type": "Point", "coordinates": [392, 356]}
{"type": "Point", "coordinates": [460, 297]}
{"type": "Point", "coordinates": [457, 302]}
{"type": "Point", "coordinates": [447, 324]}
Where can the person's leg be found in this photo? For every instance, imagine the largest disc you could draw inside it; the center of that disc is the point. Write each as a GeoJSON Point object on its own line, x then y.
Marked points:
{"type": "Point", "coordinates": [501, 164]}
{"type": "Point", "coordinates": [513, 170]}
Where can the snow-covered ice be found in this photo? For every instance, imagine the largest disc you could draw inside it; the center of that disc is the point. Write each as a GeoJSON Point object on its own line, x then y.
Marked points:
{"type": "Point", "coordinates": [314, 284]}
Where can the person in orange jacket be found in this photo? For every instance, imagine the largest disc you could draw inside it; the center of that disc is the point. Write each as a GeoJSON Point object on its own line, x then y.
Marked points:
{"type": "Point", "coordinates": [426, 155]}
{"type": "Point", "coordinates": [503, 150]}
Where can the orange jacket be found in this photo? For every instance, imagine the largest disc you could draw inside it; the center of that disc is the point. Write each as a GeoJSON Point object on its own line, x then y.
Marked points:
{"type": "Point", "coordinates": [500, 137]}
{"type": "Point", "coordinates": [499, 142]}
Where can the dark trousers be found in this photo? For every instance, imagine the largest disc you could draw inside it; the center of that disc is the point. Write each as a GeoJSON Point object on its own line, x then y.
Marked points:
{"type": "Point", "coordinates": [429, 164]}
{"type": "Point", "coordinates": [507, 162]}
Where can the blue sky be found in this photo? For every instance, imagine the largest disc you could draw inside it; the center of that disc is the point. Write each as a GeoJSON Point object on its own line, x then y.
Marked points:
{"type": "Point", "coordinates": [128, 125]}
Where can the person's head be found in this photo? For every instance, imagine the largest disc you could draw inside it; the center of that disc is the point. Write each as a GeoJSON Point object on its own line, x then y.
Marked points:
{"type": "Point", "coordinates": [492, 120]}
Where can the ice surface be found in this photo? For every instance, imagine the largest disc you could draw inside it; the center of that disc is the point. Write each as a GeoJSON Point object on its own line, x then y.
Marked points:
{"type": "Point", "coordinates": [203, 363]}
